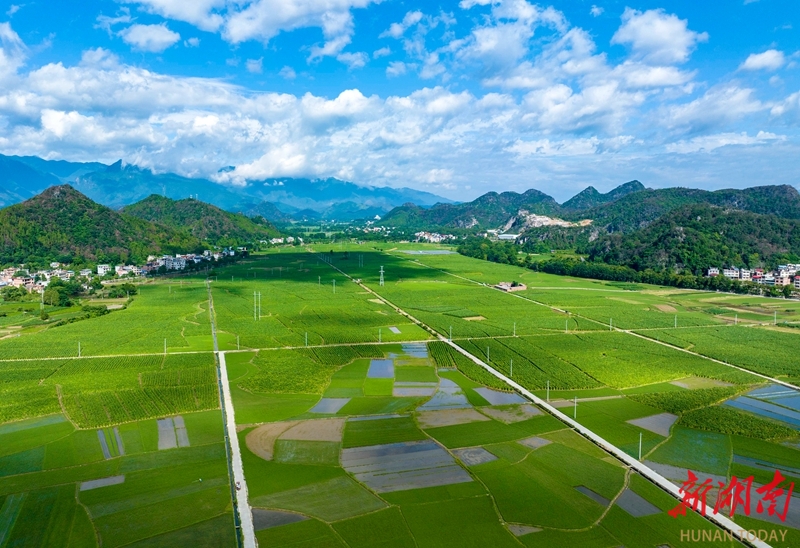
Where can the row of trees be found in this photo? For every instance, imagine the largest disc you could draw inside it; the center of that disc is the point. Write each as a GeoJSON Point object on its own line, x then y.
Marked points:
{"type": "Point", "coordinates": [507, 253]}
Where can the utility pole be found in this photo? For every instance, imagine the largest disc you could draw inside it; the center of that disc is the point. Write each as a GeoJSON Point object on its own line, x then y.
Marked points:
{"type": "Point", "coordinates": [640, 446]}
{"type": "Point", "coordinates": [511, 370]}
{"type": "Point", "coordinates": [487, 354]}
{"type": "Point", "coordinates": [165, 347]}
{"type": "Point", "coordinates": [575, 410]}
{"type": "Point", "coordinates": [79, 349]}
{"type": "Point", "coordinates": [379, 335]}
{"type": "Point", "coordinates": [775, 318]}
{"type": "Point", "coordinates": [254, 306]}
{"type": "Point", "coordinates": [515, 329]}
{"type": "Point", "coordinates": [259, 305]}
{"type": "Point", "coordinates": [548, 391]}
{"type": "Point", "coordinates": [676, 320]}
{"type": "Point", "coordinates": [306, 338]}
{"type": "Point", "coordinates": [381, 282]}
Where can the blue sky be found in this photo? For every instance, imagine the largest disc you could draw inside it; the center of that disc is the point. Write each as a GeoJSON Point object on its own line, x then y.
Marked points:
{"type": "Point", "coordinates": [456, 98]}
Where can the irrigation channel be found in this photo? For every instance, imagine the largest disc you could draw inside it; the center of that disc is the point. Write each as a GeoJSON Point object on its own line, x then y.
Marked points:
{"type": "Point", "coordinates": [645, 471]}
{"type": "Point", "coordinates": [242, 515]}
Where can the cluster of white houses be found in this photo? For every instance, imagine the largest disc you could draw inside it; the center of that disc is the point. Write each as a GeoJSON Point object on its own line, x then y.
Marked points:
{"type": "Point", "coordinates": [433, 237]}
{"type": "Point", "coordinates": [785, 274]}
{"type": "Point", "coordinates": [38, 280]}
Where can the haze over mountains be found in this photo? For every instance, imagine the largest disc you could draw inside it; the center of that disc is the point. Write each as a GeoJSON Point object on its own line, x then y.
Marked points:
{"type": "Point", "coordinates": [119, 185]}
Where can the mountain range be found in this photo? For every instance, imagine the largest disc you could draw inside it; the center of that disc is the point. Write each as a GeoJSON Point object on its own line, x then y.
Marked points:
{"type": "Point", "coordinates": [118, 185]}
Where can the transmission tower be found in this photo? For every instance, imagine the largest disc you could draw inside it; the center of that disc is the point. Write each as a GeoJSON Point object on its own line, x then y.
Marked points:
{"type": "Point", "coordinates": [381, 282]}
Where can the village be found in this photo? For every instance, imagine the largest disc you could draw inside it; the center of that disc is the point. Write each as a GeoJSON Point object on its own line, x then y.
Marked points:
{"type": "Point", "coordinates": [784, 275]}
{"type": "Point", "coordinates": [35, 281]}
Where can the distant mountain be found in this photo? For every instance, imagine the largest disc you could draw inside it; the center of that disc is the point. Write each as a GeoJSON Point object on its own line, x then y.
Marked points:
{"type": "Point", "coordinates": [492, 210]}
{"type": "Point", "coordinates": [119, 185]}
{"type": "Point", "coordinates": [590, 197]}
{"type": "Point", "coordinates": [694, 237]}
{"type": "Point", "coordinates": [268, 210]}
{"type": "Point", "coordinates": [64, 225]}
{"type": "Point", "coordinates": [203, 221]}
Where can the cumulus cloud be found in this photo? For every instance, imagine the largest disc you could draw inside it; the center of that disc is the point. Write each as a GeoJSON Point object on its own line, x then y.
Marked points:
{"type": "Point", "coordinates": [382, 52]}
{"type": "Point", "coordinates": [396, 68]}
{"type": "Point", "coordinates": [596, 11]}
{"type": "Point", "coordinates": [771, 59]}
{"type": "Point", "coordinates": [353, 60]}
{"type": "Point", "coordinates": [396, 30]}
{"type": "Point", "coordinates": [200, 13]}
{"type": "Point", "coordinates": [152, 38]}
{"type": "Point", "coordinates": [553, 115]}
{"type": "Point", "coordinates": [657, 37]}
{"type": "Point", "coordinates": [14, 8]}
{"type": "Point", "coordinates": [192, 42]}
{"type": "Point", "coordinates": [287, 73]}
{"type": "Point", "coordinates": [717, 107]}
{"type": "Point", "coordinates": [106, 22]}
{"type": "Point", "coordinates": [255, 66]}
{"type": "Point", "coordinates": [12, 50]}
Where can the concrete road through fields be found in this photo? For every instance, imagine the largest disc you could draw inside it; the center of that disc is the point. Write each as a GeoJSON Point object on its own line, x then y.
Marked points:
{"type": "Point", "coordinates": [245, 514]}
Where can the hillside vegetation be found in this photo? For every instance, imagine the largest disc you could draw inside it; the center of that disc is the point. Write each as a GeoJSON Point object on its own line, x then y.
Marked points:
{"type": "Point", "coordinates": [203, 221]}
{"type": "Point", "coordinates": [64, 225]}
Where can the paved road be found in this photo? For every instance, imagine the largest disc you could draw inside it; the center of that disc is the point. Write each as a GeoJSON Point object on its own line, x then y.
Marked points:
{"type": "Point", "coordinates": [245, 514]}
{"type": "Point", "coordinates": [243, 504]}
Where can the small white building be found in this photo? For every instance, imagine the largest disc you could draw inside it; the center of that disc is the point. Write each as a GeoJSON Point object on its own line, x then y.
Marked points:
{"type": "Point", "coordinates": [103, 269]}
{"type": "Point", "coordinates": [732, 273]}
{"type": "Point", "coordinates": [744, 275]}
{"type": "Point", "coordinates": [86, 272]}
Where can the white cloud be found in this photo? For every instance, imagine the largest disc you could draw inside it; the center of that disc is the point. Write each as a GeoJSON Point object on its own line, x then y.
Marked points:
{"type": "Point", "coordinates": [255, 66]}
{"type": "Point", "coordinates": [353, 60]}
{"type": "Point", "coordinates": [717, 107]}
{"type": "Point", "coordinates": [771, 59]}
{"type": "Point", "coordinates": [569, 115]}
{"type": "Point", "coordinates": [546, 147]}
{"type": "Point", "coordinates": [396, 68]}
{"type": "Point", "coordinates": [196, 12]}
{"type": "Point", "coordinates": [287, 73]}
{"type": "Point", "coordinates": [396, 30]}
{"type": "Point", "coordinates": [12, 51]}
{"type": "Point", "coordinates": [382, 52]}
{"type": "Point", "coordinates": [657, 37]}
{"type": "Point", "coordinates": [596, 11]}
{"type": "Point", "coordinates": [707, 143]}
{"type": "Point", "coordinates": [13, 9]}
{"type": "Point", "coordinates": [192, 42]}
{"type": "Point", "coordinates": [105, 22]}
{"type": "Point", "coordinates": [152, 38]}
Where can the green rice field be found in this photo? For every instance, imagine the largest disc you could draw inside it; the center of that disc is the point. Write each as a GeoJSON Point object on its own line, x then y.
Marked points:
{"type": "Point", "coordinates": [360, 426]}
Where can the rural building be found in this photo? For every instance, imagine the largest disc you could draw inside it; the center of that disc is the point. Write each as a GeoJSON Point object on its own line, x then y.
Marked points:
{"type": "Point", "coordinates": [511, 286]}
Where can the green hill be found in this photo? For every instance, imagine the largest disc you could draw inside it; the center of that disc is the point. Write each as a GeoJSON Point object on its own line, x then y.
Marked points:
{"type": "Point", "coordinates": [694, 237]}
{"type": "Point", "coordinates": [590, 197]}
{"type": "Point", "coordinates": [488, 211]}
{"type": "Point", "coordinates": [203, 221]}
{"type": "Point", "coordinates": [64, 225]}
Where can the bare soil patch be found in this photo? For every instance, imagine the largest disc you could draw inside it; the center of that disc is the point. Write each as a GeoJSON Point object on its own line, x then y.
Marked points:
{"type": "Point", "coordinates": [261, 441]}
{"type": "Point", "coordinates": [315, 430]}
{"type": "Point", "coordinates": [666, 308]}
{"type": "Point", "coordinates": [474, 318]}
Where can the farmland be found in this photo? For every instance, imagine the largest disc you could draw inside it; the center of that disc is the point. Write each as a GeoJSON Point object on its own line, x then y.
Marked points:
{"type": "Point", "coordinates": [359, 427]}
